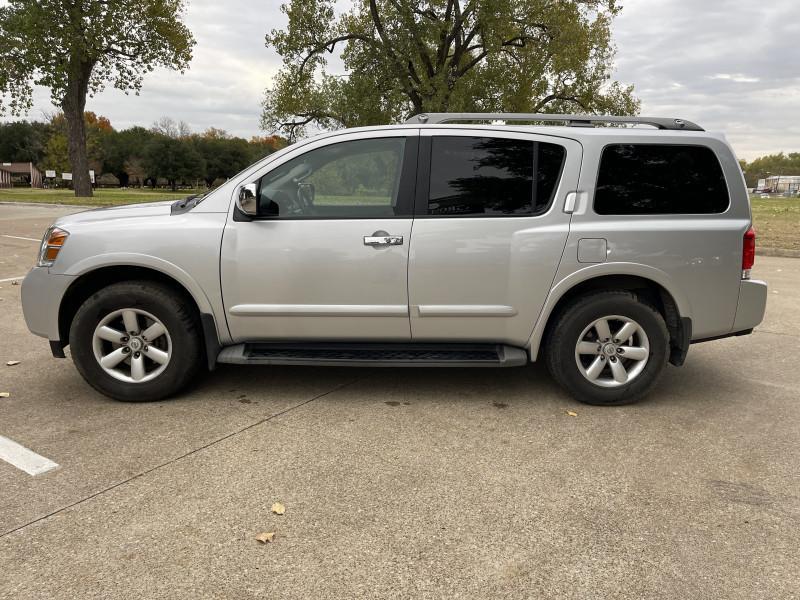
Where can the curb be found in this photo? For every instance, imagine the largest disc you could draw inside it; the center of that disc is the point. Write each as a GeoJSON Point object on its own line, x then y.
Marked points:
{"type": "Point", "coordinates": [46, 204]}
{"type": "Point", "coordinates": [784, 252]}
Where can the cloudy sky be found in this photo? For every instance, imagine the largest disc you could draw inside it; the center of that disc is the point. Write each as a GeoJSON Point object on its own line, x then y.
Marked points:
{"type": "Point", "coordinates": [730, 65]}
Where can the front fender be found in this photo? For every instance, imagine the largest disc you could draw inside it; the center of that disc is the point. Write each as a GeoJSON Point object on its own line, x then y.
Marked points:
{"type": "Point", "coordinates": [205, 304]}
{"type": "Point", "coordinates": [132, 259]}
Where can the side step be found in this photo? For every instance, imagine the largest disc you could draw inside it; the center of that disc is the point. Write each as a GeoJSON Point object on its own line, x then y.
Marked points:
{"type": "Point", "coordinates": [374, 354]}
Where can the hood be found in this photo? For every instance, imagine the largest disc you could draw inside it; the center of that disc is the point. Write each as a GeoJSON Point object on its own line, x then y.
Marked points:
{"type": "Point", "coordinates": [145, 209]}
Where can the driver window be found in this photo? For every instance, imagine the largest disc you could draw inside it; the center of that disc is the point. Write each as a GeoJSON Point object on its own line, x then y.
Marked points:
{"type": "Point", "coordinates": [354, 179]}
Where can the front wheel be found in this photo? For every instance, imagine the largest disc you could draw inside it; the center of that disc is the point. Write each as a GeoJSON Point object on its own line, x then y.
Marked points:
{"type": "Point", "coordinates": [608, 348]}
{"type": "Point", "coordinates": [136, 341]}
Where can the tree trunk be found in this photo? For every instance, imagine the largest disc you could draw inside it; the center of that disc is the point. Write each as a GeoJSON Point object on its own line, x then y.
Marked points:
{"type": "Point", "coordinates": [124, 179]}
{"type": "Point", "coordinates": [73, 104]}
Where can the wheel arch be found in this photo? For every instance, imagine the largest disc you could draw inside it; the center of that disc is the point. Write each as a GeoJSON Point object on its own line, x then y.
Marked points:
{"type": "Point", "coordinates": [93, 280]}
{"type": "Point", "coordinates": [652, 284]}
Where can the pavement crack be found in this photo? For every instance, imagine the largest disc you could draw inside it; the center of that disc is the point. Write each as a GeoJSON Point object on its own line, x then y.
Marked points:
{"type": "Point", "coordinates": [783, 333]}
{"type": "Point", "coordinates": [181, 457]}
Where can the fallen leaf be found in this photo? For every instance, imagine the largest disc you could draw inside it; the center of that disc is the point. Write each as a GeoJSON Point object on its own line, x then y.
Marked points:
{"type": "Point", "coordinates": [278, 508]}
{"type": "Point", "coordinates": [4, 394]}
{"type": "Point", "coordinates": [572, 413]}
{"type": "Point", "coordinates": [11, 363]}
{"type": "Point", "coordinates": [266, 537]}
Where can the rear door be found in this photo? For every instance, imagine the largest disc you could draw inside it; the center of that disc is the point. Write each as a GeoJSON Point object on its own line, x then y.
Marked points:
{"type": "Point", "coordinates": [489, 231]}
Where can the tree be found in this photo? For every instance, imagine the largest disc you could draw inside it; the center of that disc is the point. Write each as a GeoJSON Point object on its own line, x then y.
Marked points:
{"type": "Point", "coordinates": [223, 155]}
{"type": "Point", "coordinates": [171, 128]}
{"type": "Point", "coordinates": [97, 129]}
{"type": "Point", "coordinates": [76, 47]}
{"type": "Point", "coordinates": [124, 152]}
{"type": "Point", "coordinates": [23, 141]}
{"type": "Point", "coordinates": [410, 56]}
{"type": "Point", "coordinates": [173, 159]}
{"type": "Point", "coordinates": [771, 164]}
{"type": "Point", "coordinates": [266, 145]}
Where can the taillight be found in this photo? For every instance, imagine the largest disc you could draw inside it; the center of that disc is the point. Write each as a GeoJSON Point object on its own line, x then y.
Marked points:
{"type": "Point", "coordinates": [748, 252]}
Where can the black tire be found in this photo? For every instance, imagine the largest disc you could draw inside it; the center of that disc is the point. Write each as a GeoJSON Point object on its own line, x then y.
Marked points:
{"type": "Point", "coordinates": [172, 308]}
{"type": "Point", "coordinates": [570, 322]}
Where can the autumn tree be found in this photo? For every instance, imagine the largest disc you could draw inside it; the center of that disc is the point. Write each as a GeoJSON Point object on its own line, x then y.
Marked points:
{"type": "Point", "coordinates": [96, 129]}
{"type": "Point", "coordinates": [403, 57]}
{"type": "Point", "coordinates": [77, 47]}
{"type": "Point", "coordinates": [261, 146]}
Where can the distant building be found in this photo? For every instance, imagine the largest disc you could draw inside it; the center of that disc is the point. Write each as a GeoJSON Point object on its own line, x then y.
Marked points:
{"type": "Point", "coordinates": [778, 184]}
{"type": "Point", "coordinates": [26, 173]}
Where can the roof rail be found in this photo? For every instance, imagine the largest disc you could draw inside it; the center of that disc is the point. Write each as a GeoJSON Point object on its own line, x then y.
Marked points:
{"type": "Point", "coordinates": [571, 120]}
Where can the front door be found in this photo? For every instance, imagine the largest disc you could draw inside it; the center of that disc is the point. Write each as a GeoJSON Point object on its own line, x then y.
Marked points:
{"type": "Point", "coordinates": [327, 257]}
{"type": "Point", "coordinates": [489, 232]}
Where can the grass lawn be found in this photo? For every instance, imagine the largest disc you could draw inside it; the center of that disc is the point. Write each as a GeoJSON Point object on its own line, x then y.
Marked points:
{"type": "Point", "coordinates": [325, 200]}
{"type": "Point", "coordinates": [102, 197]}
{"type": "Point", "coordinates": [777, 222]}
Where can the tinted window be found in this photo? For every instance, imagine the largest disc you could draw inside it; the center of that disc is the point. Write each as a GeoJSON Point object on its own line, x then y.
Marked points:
{"type": "Point", "coordinates": [346, 180]}
{"type": "Point", "coordinates": [642, 179]}
{"type": "Point", "coordinates": [492, 176]}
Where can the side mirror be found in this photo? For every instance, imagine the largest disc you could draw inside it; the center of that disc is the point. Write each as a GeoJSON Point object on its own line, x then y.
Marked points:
{"type": "Point", "coordinates": [247, 201]}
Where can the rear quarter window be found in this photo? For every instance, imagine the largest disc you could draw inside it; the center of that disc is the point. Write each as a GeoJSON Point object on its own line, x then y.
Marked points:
{"type": "Point", "coordinates": [656, 179]}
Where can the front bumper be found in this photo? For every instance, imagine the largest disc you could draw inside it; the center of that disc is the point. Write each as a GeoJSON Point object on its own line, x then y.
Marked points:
{"type": "Point", "coordinates": [752, 304]}
{"type": "Point", "coordinates": [41, 298]}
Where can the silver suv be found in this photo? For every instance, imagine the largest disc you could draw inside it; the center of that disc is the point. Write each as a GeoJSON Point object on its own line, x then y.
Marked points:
{"type": "Point", "coordinates": [605, 251]}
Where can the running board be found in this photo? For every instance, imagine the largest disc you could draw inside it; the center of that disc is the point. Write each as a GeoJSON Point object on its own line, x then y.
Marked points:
{"type": "Point", "coordinates": [332, 354]}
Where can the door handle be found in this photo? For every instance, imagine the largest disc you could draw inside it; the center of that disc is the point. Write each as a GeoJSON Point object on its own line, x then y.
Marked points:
{"type": "Point", "coordinates": [381, 238]}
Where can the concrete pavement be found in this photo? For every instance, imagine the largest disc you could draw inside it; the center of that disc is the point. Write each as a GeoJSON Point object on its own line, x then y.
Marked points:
{"type": "Point", "coordinates": [424, 483]}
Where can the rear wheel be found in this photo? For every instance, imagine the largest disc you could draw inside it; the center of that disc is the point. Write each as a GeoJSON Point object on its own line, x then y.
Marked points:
{"type": "Point", "coordinates": [608, 348]}
{"type": "Point", "coordinates": [136, 341]}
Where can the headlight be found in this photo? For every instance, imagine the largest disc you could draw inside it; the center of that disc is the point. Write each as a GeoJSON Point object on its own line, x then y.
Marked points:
{"type": "Point", "coordinates": [52, 243]}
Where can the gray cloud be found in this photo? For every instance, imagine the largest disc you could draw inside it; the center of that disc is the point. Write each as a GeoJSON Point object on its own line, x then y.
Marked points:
{"type": "Point", "coordinates": [730, 65]}
{"type": "Point", "coordinates": [224, 85]}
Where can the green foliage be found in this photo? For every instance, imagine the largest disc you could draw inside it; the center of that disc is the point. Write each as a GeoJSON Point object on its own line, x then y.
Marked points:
{"type": "Point", "coordinates": [97, 130]}
{"type": "Point", "coordinates": [357, 175]}
{"type": "Point", "coordinates": [23, 141]}
{"type": "Point", "coordinates": [173, 159]}
{"type": "Point", "coordinates": [772, 164]}
{"type": "Point", "coordinates": [131, 155]}
{"type": "Point", "coordinates": [77, 47]}
{"type": "Point", "coordinates": [409, 56]}
{"type": "Point", "coordinates": [124, 152]}
{"type": "Point", "coordinates": [264, 146]}
{"type": "Point", "coordinates": [58, 43]}
{"type": "Point", "coordinates": [56, 155]}
{"type": "Point", "coordinates": [223, 155]}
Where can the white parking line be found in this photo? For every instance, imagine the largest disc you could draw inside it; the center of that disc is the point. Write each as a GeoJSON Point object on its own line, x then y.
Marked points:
{"type": "Point", "coordinates": [17, 237]}
{"type": "Point", "coordinates": [27, 460]}
{"type": "Point", "coordinates": [13, 279]}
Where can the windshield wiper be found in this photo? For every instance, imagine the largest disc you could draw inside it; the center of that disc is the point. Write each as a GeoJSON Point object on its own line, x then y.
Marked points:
{"type": "Point", "coordinates": [186, 204]}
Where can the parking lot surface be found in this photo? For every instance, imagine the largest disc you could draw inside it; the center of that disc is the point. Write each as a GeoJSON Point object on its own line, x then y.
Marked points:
{"type": "Point", "coordinates": [419, 483]}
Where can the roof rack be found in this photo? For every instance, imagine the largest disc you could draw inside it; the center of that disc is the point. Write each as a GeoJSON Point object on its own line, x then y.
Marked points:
{"type": "Point", "coordinates": [571, 120]}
